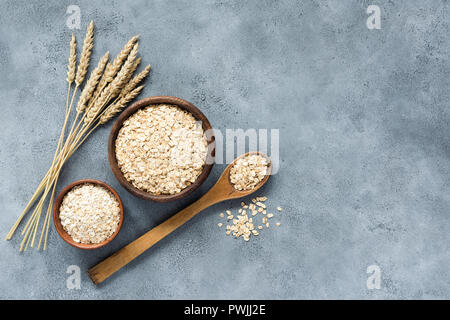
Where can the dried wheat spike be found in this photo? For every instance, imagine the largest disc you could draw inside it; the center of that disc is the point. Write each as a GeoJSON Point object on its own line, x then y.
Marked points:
{"type": "Point", "coordinates": [114, 68]}
{"type": "Point", "coordinates": [119, 105]}
{"type": "Point", "coordinates": [133, 69]}
{"type": "Point", "coordinates": [85, 54]}
{"type": "Point", "coordinates": [102, 82]}
{"type": "Point", "coordinates": [135, 81]}
{"type": "Point", "coordinates": [91, 84]}
{"type": "Point", "coordinates": [94, 110]}
{"type": "Point", "coordinates": [112, 89]}
{"type": "Point", "coordinates": [72, 60]}
{"type": "Point", "coordinates": [130, 73]}
{"type": "Point", "coordinates": [121, 78]}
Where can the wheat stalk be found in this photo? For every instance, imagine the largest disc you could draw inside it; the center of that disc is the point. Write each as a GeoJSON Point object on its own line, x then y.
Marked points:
{"type": "Point", "coordinates": [133, 68]}
{"type": "Point", "coordinates": [114, 67]}
{"type": "Point", "coordinates": [80, 75]}
{"type": "Point", "coordinates": [70, 78]}
{"type": "Point", "coordinates": [91, 84]}
{"type": "Point", "coordinates": [120, 80]}
{"type": "Point", "coordinates": [72, 60]}
{"type": "Point", "coordinates": [94, 109]}
{"type": "Point", "coordinates": [116, 107]}
{"type": "Point", "coordinates": [119, 60]}
{"type": "Point", "coordinates": [113, 88]}
{"type": "Point", "coordinates": [85, 54]}
{"type": "Point", "coordinates": [135, 81]}
{"type": "Point", "coordinates": [106, 82]}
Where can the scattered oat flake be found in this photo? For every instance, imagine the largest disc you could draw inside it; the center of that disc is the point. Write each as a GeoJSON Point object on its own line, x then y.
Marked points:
{"type": "Point", "coordinates": [220, 225]}
{"type": "Point", "coordinates": [279, 208]}
{"type": "Point", "coordinates": [243, 226]}
{"type": "Point", "coordinates": [260, 204]}
{"type": "Point", "coordinates": [222, 215]}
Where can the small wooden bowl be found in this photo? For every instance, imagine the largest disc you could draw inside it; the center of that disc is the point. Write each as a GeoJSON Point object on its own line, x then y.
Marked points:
{"type": "Point", "coordinates": [183, 104]}
{"type": "Point", "coordinates": [60, 229]}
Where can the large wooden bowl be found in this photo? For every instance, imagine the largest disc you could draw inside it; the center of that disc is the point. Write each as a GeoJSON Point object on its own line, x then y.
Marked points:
{"type": "Point", "coordinates": [183, 104]}
{"type": "Point", "coordinates": [60, 229]}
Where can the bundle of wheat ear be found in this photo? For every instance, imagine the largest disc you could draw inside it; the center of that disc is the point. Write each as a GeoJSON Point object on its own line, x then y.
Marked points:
{"type": "Point", "coordinates": [109, 88]}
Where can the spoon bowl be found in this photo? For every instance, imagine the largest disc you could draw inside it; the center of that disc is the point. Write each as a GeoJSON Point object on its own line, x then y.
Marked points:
{"type": "Point", "coordinates": [221, 191]}
{"type": "Point", "coordinates": [224, 189]}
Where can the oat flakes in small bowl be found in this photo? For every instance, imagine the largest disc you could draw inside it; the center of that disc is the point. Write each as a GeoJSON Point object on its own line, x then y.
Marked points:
{"type": "Point", "coordinates": [161, 148]}
{"type": "Point", "coordinates": [88, 214]}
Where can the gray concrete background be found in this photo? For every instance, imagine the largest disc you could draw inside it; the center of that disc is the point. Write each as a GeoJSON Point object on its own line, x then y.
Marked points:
{"type": "Point", "coordinates": [365, 145]}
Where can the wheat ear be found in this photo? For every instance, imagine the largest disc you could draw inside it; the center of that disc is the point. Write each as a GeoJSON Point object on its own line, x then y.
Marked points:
{"type": "Point", "coordinates": [133, 68]}
{"type": "Point", "coordinates": [113, 88]}
{"type": "Point", "coordinates": [93, 110]}
{"type": "Point", "coordinates": [85, 54]}
{"type": "Point", "coordinates": [119, 60]}
{"type": "Point", "coordinates": [91, 84]}
{"type": "Point", "coordinates": [116, 107]}
{"type": "Point", "coordinates": [72, 60]}
{"type": "Point", "coordinates": [135, 81]}
{"type": "Point", "coordinates": [114, 67]}
{"type": "Point", "coordinates": [120, 80]}
{"type": "Point", "coordinates": [83, 65]}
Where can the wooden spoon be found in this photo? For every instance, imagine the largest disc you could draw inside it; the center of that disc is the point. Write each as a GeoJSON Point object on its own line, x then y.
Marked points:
{"type": "Point", "coordinates": [222, 190]}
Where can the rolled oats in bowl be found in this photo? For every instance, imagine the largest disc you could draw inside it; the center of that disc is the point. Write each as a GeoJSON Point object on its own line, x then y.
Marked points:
{"type": "Point", "coordinates": [161, 149]}
{"type": "Point", "coordinates": [89, 213]}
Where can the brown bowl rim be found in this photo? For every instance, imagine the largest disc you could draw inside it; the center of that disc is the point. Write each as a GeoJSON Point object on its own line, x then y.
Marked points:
{"type": "Point", "coordinates": [60, 229]}
{"type": "Point", "coordinates": [183, 104]}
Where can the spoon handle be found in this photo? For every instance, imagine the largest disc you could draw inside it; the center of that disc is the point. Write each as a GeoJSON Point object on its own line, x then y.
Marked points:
{"type": "Point", "coordinates": [110, 265]}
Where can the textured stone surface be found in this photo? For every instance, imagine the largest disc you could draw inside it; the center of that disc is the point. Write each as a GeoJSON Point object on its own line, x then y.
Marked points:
{"type": "Point", "coordinates": [365, 145]}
